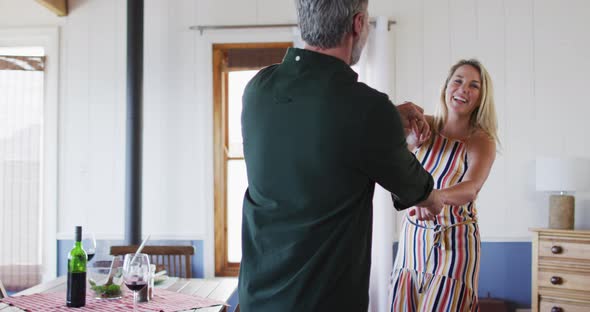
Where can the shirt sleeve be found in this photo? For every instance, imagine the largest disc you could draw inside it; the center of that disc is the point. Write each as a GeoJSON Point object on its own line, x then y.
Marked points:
{"type": "Point", "coordinates": [386, 159]}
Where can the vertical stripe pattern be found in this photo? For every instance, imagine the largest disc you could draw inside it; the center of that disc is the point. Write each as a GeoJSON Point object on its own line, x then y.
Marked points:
{"type": "Point", "coordinates": [447, 281]}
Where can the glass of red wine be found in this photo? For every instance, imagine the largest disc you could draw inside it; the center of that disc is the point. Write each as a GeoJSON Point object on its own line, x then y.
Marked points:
{"type": "Point", "coordinates": [136, 273]}
{"type": "Point", "coordinates": [89, 243]}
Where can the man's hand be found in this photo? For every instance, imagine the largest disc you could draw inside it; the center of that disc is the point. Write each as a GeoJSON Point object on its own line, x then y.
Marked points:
{"type": "Point", "coordinates": [429, 208]}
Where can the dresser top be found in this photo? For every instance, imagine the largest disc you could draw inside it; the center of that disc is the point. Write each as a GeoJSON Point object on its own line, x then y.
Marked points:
{"type": "Point", "coordinates": [556, 231]}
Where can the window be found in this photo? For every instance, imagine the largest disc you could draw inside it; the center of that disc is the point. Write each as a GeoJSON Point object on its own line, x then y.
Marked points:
{"type": "Point", "coordinates": [21, 159]}
{"type": "Point", "coordinates": [43, 111]}
{"type": "Point", "coordinates": [233, 66]}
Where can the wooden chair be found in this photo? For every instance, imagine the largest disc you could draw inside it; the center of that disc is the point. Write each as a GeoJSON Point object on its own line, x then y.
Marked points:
{"type": "Point", "coordinates": [173, 258]}
{"type": "Point", "coordinates": [3, 293]}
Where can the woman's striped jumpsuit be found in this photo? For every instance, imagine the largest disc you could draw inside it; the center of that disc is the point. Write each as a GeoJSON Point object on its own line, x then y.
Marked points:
{"type": "Point", "coordinates": [437, 263]}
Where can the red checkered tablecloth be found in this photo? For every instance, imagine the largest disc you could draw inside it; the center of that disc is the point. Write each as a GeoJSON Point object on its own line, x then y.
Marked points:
{"type": "Point", "coordinates": [164, 301]}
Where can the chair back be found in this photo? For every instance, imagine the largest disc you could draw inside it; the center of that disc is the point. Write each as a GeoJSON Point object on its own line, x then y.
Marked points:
{"type": "Point", "coordinates": [3, 293]}
{"type": "Point", "coordinates": [175, 259]}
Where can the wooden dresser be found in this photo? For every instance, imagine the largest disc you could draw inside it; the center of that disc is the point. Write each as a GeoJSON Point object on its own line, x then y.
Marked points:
{"type": "Point", "coordinates": [561, 270]}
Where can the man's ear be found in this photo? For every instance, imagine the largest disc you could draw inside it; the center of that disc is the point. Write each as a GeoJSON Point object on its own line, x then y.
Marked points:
{"type": "Point", "coordinates": [358, 22]}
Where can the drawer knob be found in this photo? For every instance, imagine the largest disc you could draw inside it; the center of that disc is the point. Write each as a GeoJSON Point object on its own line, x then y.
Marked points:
{"type": "Point", "coordinates": [556, 309]}
{"type": "Point", "coordinates": [556, 250]}
{"type": "Point", "coordinates": [556, 280]}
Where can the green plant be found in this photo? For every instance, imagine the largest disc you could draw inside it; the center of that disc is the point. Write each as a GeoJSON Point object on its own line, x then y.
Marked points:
{"type": "Point", "coordinates": [106, 291]}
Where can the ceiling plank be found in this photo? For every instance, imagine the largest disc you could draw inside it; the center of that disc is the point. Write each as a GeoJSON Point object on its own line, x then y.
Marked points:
{"type": "Point", "coordinates": [59, 7]}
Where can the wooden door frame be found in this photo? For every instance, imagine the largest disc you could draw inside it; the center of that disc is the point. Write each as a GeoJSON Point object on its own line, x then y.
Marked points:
{"type": "Point", "coordinates": [220, 150]}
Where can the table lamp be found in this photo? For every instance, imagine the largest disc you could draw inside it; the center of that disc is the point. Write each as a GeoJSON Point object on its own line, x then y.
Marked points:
{"type": "Point", "coordinates": [562, 177]}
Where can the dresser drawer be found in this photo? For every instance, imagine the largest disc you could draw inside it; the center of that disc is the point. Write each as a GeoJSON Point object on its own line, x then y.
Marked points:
{"type": "Point", "coordinates": [547, 305]}
{"type": "Point", "coordinates": [564, 249]}
{"type": "Point", "coordinates": [563, 280]}
{"type": "Point", "coordinates": [560, 270]}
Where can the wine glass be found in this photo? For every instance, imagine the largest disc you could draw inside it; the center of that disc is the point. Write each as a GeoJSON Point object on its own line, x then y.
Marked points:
{"type": "Point", "coordinates": [136, 272]}
{"type": "Point", "coordinates": [89, 243]}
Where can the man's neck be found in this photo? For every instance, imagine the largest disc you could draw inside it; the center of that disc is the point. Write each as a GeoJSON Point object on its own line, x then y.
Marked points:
{"type": "Point", "coordinates": [343, 51]}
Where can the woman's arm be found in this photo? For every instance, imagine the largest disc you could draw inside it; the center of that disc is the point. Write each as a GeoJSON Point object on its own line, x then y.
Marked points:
{"type": "Point", "coordinates": [481, 153]}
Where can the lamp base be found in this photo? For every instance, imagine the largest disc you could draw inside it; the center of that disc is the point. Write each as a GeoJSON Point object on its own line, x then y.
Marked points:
{"type": "Point", "coordinates": [561, 212]}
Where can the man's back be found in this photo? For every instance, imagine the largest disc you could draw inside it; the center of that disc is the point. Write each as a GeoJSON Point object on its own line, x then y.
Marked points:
{"type": "Point", "coordinates": [315, 143]}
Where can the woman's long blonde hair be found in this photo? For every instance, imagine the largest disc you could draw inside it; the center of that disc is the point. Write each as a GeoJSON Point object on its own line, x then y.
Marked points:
{"type": "Point", "coordinates": [484, 115]}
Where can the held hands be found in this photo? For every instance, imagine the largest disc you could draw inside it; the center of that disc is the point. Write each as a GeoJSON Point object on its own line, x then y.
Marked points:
{"type": "Point", "coordinates": [416, 127]}
{"type": "Point", "coordinates": [418, 133]}
{"type": "Point", "coordinates": [429, 208]}
{"type": "Point", "coordinates": [422, 214]}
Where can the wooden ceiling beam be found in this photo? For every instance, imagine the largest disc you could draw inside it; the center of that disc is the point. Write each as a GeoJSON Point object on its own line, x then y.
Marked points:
{"type": "Point", "coordinates": [59, 7]}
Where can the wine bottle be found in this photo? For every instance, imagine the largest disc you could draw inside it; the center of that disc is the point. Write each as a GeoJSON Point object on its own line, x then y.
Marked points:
{"type": "Point", "coordinates": [76, 291]}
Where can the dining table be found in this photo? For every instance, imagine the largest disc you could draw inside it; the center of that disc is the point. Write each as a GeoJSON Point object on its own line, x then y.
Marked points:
{"type": "Point", "coordinates": [218, 289]}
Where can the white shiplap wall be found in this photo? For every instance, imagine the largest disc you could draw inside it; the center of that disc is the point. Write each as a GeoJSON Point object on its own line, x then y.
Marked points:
{"type": "Point", "coordinates": [536, 51]}
{"type": "Point", "coordinates": [92, 130]}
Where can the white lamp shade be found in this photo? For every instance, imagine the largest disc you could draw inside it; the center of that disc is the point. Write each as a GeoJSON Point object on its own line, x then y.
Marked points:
{"type": "Point", "coordinates": [562, 174]}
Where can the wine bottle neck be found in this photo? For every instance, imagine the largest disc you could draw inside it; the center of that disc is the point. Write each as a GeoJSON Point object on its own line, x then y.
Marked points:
{"type": "Point", "coordinates": [78, 234]}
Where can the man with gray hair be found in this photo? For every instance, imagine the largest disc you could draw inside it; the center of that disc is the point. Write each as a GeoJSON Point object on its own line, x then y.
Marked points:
{"type": "Point", "coordinates": [315, 143]}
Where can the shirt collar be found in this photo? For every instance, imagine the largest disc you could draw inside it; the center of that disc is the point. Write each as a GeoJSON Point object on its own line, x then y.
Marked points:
{"type": "Point", "coordinates": [303, 59]}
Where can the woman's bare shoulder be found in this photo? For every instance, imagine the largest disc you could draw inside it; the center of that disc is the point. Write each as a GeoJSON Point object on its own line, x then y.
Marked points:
{"type": "Point", "coordinates": [480, 142]}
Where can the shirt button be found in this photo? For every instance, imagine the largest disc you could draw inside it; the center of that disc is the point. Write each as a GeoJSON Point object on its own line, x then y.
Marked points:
{"type": "Point", "coordinates": [297, 58]}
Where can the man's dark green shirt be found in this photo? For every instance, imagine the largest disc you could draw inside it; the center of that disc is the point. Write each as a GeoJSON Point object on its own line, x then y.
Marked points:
{"type": "Point", "coordinates": [315, 143]}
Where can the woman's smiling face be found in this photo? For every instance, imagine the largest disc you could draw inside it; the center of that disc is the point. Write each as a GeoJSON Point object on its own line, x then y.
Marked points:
{"type": "Point", "coordinates": [463, 90]}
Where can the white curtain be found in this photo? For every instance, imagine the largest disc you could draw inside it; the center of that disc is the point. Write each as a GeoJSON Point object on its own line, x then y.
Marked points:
{"type": "Point", "coordinates": [376, 69]}
{"type": "Point", "coordinates": [297, 41]}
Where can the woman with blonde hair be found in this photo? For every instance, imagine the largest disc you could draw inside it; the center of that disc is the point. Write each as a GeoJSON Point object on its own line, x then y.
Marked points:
{"type": "Point", "coordinates": [437, 263]}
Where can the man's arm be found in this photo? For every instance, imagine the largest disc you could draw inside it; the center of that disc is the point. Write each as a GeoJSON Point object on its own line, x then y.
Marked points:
{"type": "Point", "coordinates": [386, 159]}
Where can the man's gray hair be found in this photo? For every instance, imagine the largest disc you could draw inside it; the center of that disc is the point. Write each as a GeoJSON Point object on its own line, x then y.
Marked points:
{"type": "Point", "coordinates": [323, 23]}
